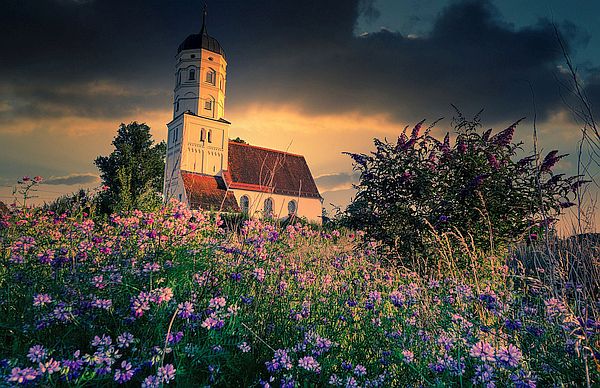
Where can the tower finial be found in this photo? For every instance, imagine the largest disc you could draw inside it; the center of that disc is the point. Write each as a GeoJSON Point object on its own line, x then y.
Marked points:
{"type": "Point", "coordinates": [203, 30]}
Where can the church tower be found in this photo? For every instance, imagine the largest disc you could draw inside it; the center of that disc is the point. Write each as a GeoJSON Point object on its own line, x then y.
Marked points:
{"type": "Point", "coordinates": [198, 135]}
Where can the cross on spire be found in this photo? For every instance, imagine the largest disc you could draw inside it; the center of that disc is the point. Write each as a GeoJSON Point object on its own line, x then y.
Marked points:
{"type": "Point", "coordinates": [203, 30]}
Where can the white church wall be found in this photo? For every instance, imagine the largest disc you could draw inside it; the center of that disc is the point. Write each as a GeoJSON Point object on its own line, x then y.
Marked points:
{"type": "Point", "coordinates": [309, 208]}
{"type": "Point", "coordinates": [200, 155]}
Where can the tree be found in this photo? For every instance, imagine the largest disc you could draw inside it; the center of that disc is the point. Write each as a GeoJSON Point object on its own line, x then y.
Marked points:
{"type": "Point", "coordinates": [133, 173]}
{"type": "Point", "coordinates": [476, 187]}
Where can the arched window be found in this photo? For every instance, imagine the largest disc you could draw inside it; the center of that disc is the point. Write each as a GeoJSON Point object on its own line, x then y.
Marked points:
{"type": "Point", "coordinates": [268, 207]}
{"type": "Point", "coordinates": [177, 105]}
{"type": "Point", "coordinates": [292, 207]}
{"type": "Point", "coordinates": [179, 77]}
{"type": "Point", "coordinates": [192, 74]}
{"type": "Point", "coordinates": [245, 204]}
{"type": "Point", "coordinates": [209, 136]}
{"type": "Point", "coordinates": [211, 76]}
{"type": "Point", "coordinates": [202, 134]}
{"type": "Point", "coordinates": [208, 104]}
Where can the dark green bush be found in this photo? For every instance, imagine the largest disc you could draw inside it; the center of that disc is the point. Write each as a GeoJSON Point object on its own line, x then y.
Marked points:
{"type": "Point", "coordinates": [475, 187]}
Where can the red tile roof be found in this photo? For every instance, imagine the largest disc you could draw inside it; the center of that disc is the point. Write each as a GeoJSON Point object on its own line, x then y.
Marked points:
{"type": "Point", "coordinates": [208, 192]}
{"type": "Point", "coordinates": [262, 169]}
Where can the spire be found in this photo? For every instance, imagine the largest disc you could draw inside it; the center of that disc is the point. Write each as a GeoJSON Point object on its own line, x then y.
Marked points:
{"type": "Point", "coordinates": [203, 30]}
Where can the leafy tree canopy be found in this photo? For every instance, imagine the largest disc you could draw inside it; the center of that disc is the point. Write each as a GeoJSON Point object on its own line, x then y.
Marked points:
{"type": "Point", "coordinates": [133, 173]}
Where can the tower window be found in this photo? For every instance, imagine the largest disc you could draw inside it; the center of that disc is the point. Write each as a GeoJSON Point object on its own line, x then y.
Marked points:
{"type": "Point", "coordinates": [244, 203]}
{"type": "Point", "coordinates": [211, 76]}
{"type": "Point", "coordinates": [177, 105]}
{"type": "Point", "coordinates": [209, 136]}
{"type": "Point", "coordinates": [192, 74]}
{"type": "Point", "coordinates": [178, 77]}
{"type": "Point", "coordinates": [208, 104]}
{"type": "Point", "coordinates": [202, 134]}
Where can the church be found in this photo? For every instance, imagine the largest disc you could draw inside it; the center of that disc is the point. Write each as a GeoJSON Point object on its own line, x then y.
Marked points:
{"type": "Point", "coordinates": [207, 170]}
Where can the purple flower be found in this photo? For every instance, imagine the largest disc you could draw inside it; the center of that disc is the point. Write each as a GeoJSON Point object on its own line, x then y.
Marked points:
{"type": "Point", "coordinates": [124, 374]}
{"type": "Point", "coordinates": [281, 360]}
{"type": "Point", "coordinates": [124, 340]}
{"type": "Point", "coordinates": [22, 376]}
{"type": "Point", "coordinates": [509, 356]}
{"type": "Point", "coordinates": [151, 382]}
{"type": "Point", "coordinates": [41, 299]}
{"type": "Point", "coordinates": [166, 373]}
{"type": "Point", "coordinates": [408, 356]}
{"type": "Point", "coordinates": [102, 303]}
{"type": "Point", "coordinates": [186, 309]}
{"type": "Point", "coordinates": [213, 322]}
{"type": "Point", "coordinates": [50, 366]}
{"type": "Point", "coordinates": [244, 347]}
{"type": "Point", "coordinates": [484, 374]}
{"type": "Point", "coordinates": [483, 351]}
{"type": "Point", "coordinates": [360, 370]}
{"type": "Point", "coordinates": [140, 304]}
{"type": "Point", "coordinates": [36, 353]}
{"type": "Point", "coordinates": [175, 338]}
{"type": "Point", "coordinates": [102, 343]}
{"type": "Point", "coordinates": [309, 363]}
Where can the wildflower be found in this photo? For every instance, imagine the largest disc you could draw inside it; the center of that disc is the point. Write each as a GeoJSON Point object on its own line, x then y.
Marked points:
{"type": "Point", "coordinates": [151, 267]}
{"type": "Point", "coordinates": [522, 379]}
{"type": "Point", "coordinates": [510, 355]}
{"type": "Point", "coordinates": [259, 274]}
{"type": "Point", "coordinates": [186, 310]}
{"type": "Point", "coordinates": [102, 343]}
{"type": "Point", "coordinates": [216, 303]}
{"type": "Point", "coordinates": [175, 338]}
{"type": "Point", "coordinates": [151, 382]}
{"type": "Point", "coordinates": [484, 374]}
{"type": "Point", "coordinates": [124, 374]}
{"type": "Point", "coordinates": [360, 370]}
{"type": "Point", "coordinates": [335, 380]}
{"type": "Point", "coordinates": [22, 376]}
{"type": "Point", "coordinates": [166, 373]}
{"type": "Point", "coordinates": [309, 363]}
{"type": "Point", "coordinates": [36, 353]}
{"type": "Point", "coordinates": [244, 347]}
{"type": "Point", "coordinates": [483, 351]}
{"type": "Point", "coordinates": [163, 294]}
{"type": "Point", "coordinates": [351, 382]}
{"type": "Point", "coordinates": [102, 303]}
{"type": "Point", "coordinates": [41, 299]}
{"type": "Point", "coordinates": [140, 304]}
{"type": "Point", "coordinates": [281, 360]}
{"type": "Point", "coordinates": [554, 307]}
{"type": "Point", "coordinates": [50, 366]}
{"type": "Point", "coordinates": [124, 340]}
{"type": "Point", "coordinates": [213, 322]}
{"type": "Point", "coordinates": [408, 356]}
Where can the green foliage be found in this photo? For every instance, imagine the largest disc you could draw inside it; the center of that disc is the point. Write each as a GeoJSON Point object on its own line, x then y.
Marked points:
{"type": "Point", "coordinates": [133, 173]}
{"type": "Point", "coordinates": [220, 308]}
{"type": "Point", "coordinates": [476, 188]}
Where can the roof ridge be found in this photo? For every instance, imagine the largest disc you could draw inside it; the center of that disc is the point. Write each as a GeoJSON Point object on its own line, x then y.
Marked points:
{"type": "Point", "coordinates": [265, 148]}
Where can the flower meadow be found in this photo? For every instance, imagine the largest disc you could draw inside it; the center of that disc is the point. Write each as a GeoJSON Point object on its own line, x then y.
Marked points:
{"type": "Point", "coordinates": [174, 297]}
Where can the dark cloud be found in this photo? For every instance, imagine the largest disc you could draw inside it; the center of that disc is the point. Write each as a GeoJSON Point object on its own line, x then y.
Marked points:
{"type": "Point", "coordinates": [303, 53]}
{"type": "Point", "coordinates": [73, 179]}
{"type": "Point", "coordinates": [336, 181]}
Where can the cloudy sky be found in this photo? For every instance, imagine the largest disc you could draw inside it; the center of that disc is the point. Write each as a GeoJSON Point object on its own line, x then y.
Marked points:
{"type": "Point", "coordinates": [315, 77]}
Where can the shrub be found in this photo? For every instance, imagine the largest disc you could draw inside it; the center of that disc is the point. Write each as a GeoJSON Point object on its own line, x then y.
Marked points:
{"type": "Point", "coordinates": [475, 187]}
